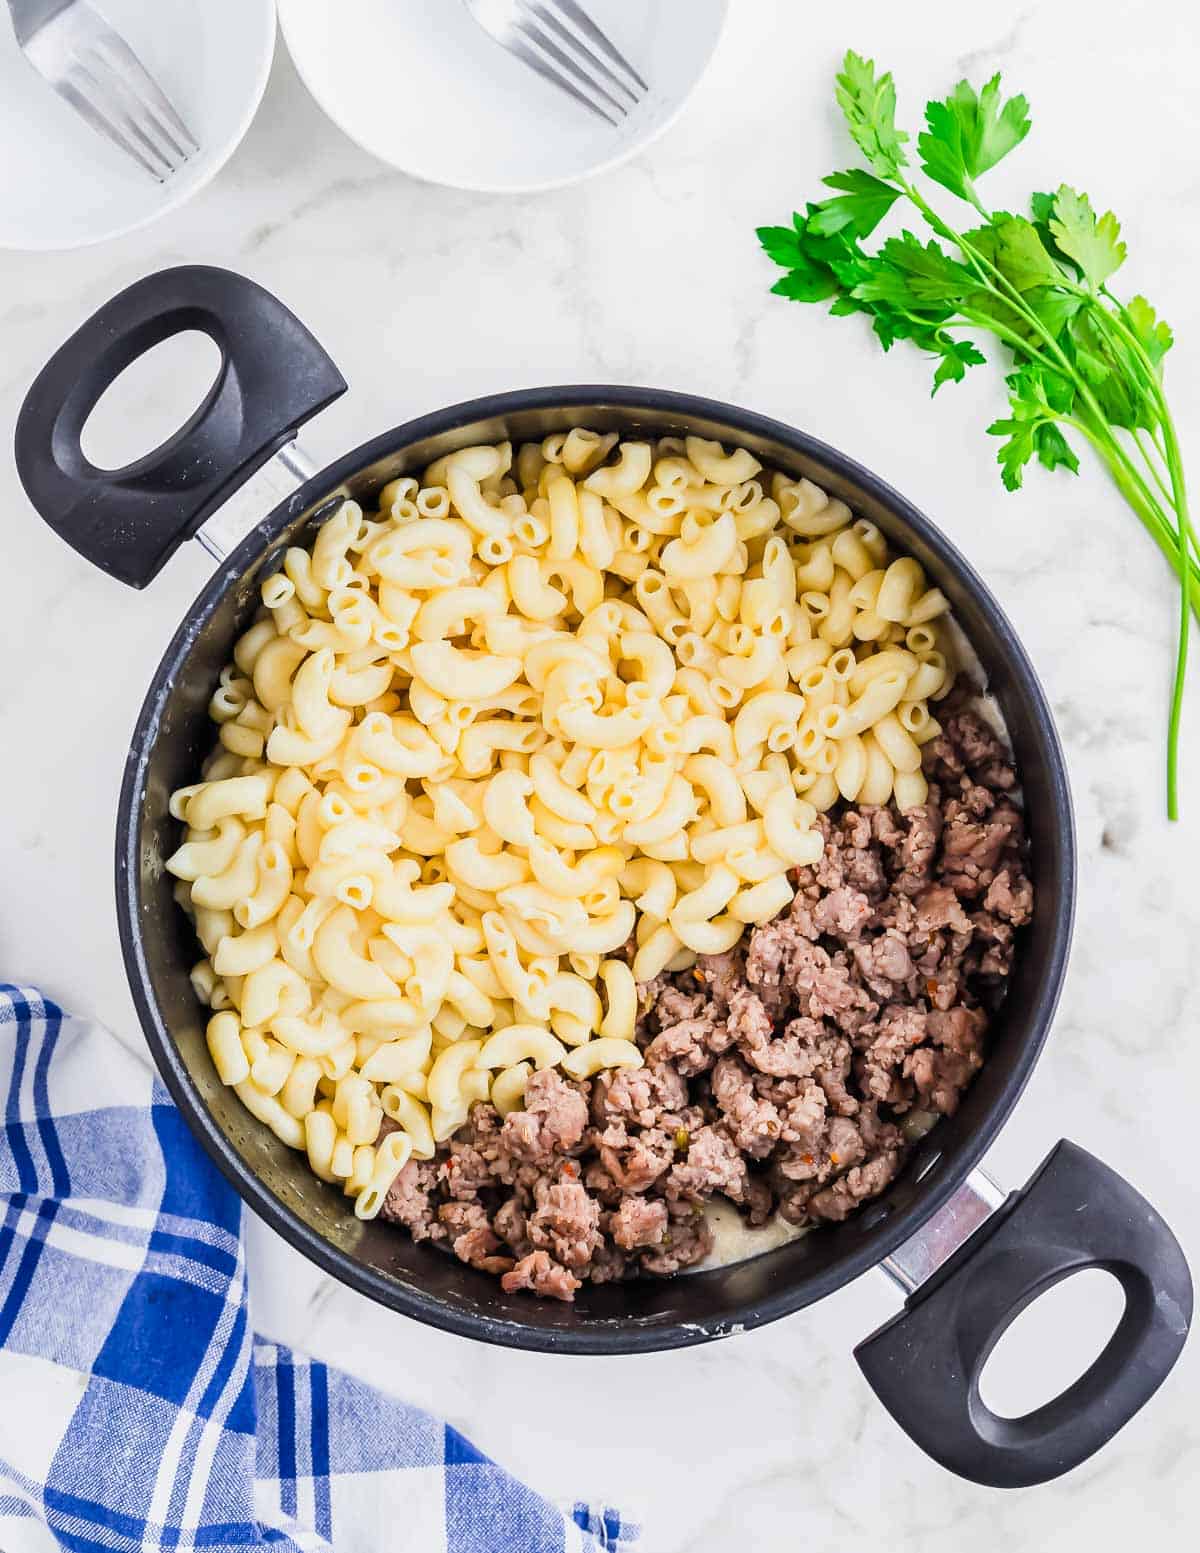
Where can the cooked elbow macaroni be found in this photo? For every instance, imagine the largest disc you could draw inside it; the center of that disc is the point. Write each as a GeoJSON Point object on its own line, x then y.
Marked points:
{"type": "Point", "coordinates": [525, 715]}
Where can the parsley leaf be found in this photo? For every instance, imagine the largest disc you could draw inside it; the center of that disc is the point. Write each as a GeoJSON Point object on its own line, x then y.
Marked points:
{"type": "Point", "coordinates": [1153, 333]}
{"type": "Point", "coordinates": [805, 282]}
{"type": "Point", "coordinates": [1044, 388]}
{"type": "Point", "coordinates": [781, 243]}
{"type": "Point", "coordinates": [1053, 449]}
{"type": "Point", "coordinates": [1021, 257]}
{"type": "Point", "coordinates": [1036, 398]}
{"type": "Point", "coordinates": [1016, 452]}
{"type": "Point", "coordinates": [817, 266]}
{"type": "Point", "coordinates": [869, 106]}
{"type": "Point", "coordinates": [967, 134]}
{"type": "Point", "coordinates": [907, 274]}
{"type": "Point", "coordinates": [1110, 369]}
{"type": "Point", "coordinates": [1053, 308]}
{"type": "Point", "coordinates": [990, 131]}
{"type": "Point", "coordinates": [1088, 354]}
{"type": "Point", "coordinates": [1094, 244]}
{"type": "Point", "coordinates": [956, 357]}
{"type": "Point", "coordinates": [1041, 207]}
{"type": "Point", "coordinates": [1012, 244]}
{"type": "Point", "coordinates": [861, 208]}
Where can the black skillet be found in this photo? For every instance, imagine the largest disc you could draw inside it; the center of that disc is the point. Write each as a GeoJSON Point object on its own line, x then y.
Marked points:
{"type": "Point", "coordinates": [968, 1257]}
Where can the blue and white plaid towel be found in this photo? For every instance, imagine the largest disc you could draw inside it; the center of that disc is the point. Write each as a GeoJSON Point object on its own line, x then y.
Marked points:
{"type": "Point", "coordinates": [137, 1410]}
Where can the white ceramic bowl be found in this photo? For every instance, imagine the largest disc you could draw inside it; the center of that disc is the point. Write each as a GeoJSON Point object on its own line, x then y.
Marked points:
{"type": "Point", "coordinates": [419, 84]}
{"type": "Point", "coordinates": [64, 186]}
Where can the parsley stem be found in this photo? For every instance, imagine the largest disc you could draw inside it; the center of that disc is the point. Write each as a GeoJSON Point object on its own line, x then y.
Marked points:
{"type": "Point", "coordinates": [1151, 465]}
{"type": "Point", "coordinates": [1115, 324]}
{"type": "Point", "coordinates": [974, 199]}
{"type": "Point", "coordinates": [1132, 473]}
{"type": "Point", "coordinates": [1184, 531]}
{"type": "Point", "coordinates": [1185, 534]}
{"type": "Point", "coordinates": [1181, 659]}
{"type": "Point", "coordinates": [1118, 321]}
{"type": "Point", "coordinates": [1019, 345]}
{"type": "Point", "coordinates": [1175, 547]}
{"type": "Point", "coordinates": [1007, 292]}
{"type": "Point", "coordinates": [1128, 478]}
{"type": "Point", "coordinates": [1154, 520]}
{"type": "Point", "coordinates": [1114, 455]}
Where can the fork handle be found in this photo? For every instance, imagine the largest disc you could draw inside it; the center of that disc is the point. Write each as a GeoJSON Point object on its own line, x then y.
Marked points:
{"type": "Point", "coordinates": [273, 377]}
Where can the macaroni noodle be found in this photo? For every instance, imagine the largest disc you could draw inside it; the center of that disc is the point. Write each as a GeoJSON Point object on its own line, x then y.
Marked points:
{"type": "Point", "coordinates": [539, 729]}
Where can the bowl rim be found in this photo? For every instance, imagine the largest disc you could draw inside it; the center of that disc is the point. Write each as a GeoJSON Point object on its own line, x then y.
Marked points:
{"type": "Point", "coordinates": [499, 187]}
{"type": "Point", "coordinates": [605, 1337]}
{"type": "Point", "coordinates": [264, 19]}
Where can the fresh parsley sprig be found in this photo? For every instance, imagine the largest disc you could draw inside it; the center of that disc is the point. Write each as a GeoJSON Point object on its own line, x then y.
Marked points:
{"type": "Point", "coordinates": [1082, 360]}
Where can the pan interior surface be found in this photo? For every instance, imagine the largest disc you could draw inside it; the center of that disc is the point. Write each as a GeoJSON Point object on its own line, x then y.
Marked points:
{"type": "Point", "coordinates": [174, 734]}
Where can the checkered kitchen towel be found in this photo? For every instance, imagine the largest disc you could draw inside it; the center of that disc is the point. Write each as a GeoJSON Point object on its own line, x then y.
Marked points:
{"type": "Point", "coordinates": [137, 1410]}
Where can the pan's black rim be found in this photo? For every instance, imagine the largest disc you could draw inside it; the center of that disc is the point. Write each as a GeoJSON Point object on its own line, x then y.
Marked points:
{"type": "Point", "coordinates": [903, 1222]}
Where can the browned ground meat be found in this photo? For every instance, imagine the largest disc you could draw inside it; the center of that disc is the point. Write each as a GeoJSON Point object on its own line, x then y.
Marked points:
{"type": "Point", "coordinates": [777, 1075]}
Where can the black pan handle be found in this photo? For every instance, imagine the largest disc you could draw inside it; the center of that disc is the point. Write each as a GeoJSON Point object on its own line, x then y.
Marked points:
{"type": "Point", "coordinates": [273, 377]}
{"type": "Point", "coordinates": [925, 1363]}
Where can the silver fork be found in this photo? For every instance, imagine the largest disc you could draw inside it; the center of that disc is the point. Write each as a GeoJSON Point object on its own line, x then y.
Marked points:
{"type": "Point", "coordinates": [559, 40]}
{"type": "Point", "coordinates": [89, 63]}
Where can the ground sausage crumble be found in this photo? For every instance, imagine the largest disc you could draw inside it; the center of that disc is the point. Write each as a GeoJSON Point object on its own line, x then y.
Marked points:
{"type": "Point", "coordinates": [790, 1074]}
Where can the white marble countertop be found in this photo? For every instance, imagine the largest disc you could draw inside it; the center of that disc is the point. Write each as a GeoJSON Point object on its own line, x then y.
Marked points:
{"type": "Point", "coordinates": [651, 275]}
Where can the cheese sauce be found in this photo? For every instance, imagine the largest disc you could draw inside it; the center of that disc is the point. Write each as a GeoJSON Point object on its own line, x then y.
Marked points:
{"type": "Point", "coordinates": [965, 660]}
{"type": "Point", "coordinates": [735, 1241]}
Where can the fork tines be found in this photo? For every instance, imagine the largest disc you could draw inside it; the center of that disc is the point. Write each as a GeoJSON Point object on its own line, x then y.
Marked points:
{"type": "Point", "coordinates": [588, 27]}
{"type": "Point", "coordinates": [93, 68]}
{"type": "Point", "coordinates": [109, 85]}
{"type": "Point", "coordinates": [562, 43]}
